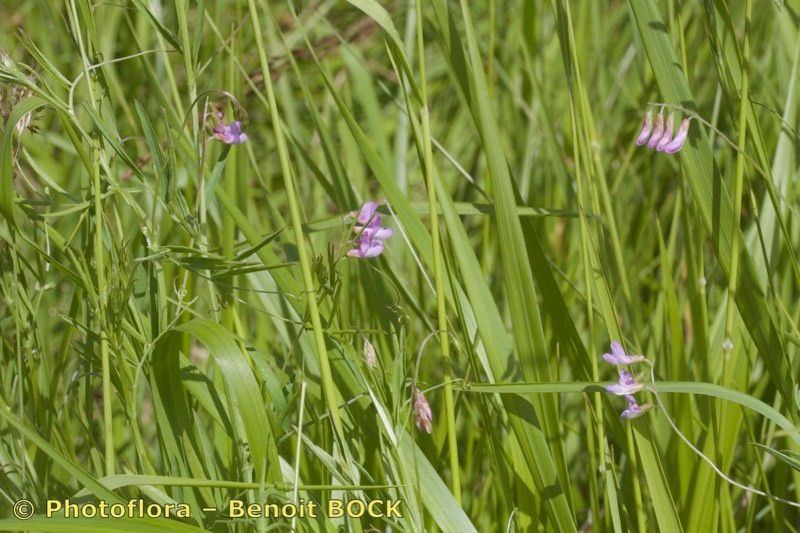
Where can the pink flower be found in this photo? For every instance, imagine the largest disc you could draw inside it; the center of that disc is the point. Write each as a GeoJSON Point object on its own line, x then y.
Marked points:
{"type": "Point", "coordinates": [422, 411]}
{"type": "Point", "coordinates": [626, 385]}
{"type": "Point", "coordinates": [658, 131]}
{"type": "Point", "coordinates": [666, 138]}
{"type": "Point", "coordinates": [230, 133]}
{"type": "Point", "coordinates": [659, 136]}
{"type": "Point", "coordinates": [680, 138]}
{"type": "Point", "coordinates": [619, 357]}
{"type": "Point", "coordinates": [367, 213]}
{"type": "Point", "coordinates": [369, 233]}
{"type": "Point", "coordinates": [647, 129]}
{"type": "Point", "coordinates": [634, 410]}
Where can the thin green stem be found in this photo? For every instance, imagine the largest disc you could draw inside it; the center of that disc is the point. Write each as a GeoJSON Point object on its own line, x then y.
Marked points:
{"type": "Point", "coordinates": [438, 264]}
{"type": "Point", "coordinates": [102, 291]}
{"type": "Point", "coordinates": [328, 386]}
{"type": "Point", "coordinates": [678, 387]}
{"type": "Point", "coordinates": [744, 104]}
{"type": "Point", "coordinates": [188, 63]}
{"type": "Point", "coordinates": [99, 254]}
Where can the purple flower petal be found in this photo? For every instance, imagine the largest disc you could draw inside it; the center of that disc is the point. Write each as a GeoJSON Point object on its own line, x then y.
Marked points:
{"type": "Point", "coordinates": [680, 138]}
{"type": "Point", "coordinates": [367, 210]}
{"type": "Point", "coordinates": [626, 385]}
{"type": "Point", "coordinates": [373, 250]}
{"type": "Point", "coordinates": [230, 133]}
{"type": "Point", "coordinates": [667, 137]}
{"type": "Point", "coordinates": [379, 233]}
{"type": "Point", "coordinates": [634, 410]}
{"type": "Point", "coordinates": [617, 349]}
{"type": "Point", "coordinates": [619, 357]}
{"type": "Point", "coordinates": [622, 390]}
{"type": "Point", "coordinates": [369, 233]}
{"type": "Point", "coordinates": [647, 129]}
{"type": "Point", "coordinates": [657, 132]}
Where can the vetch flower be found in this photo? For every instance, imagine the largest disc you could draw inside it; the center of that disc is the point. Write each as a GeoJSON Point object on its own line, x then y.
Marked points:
{"type": "Point", "coordinates": [422, 411]}
{"type": "Point", "coordinates": [680, 138]}
{"type": "Point", "coordinates": [666, 138]}
{"type": "Point", "coordinates": [626, 385]}
{"type": "Point", "coordinates": [619, 357]}
{"type": "Point", "coordinates": [230, 133]}
{"type": "Point", "coordinates": [367, 213]}
{"type": "Point", "coordinates": [658, 131]}
{"type": "Point", "coordinates": [647, 129]}
{"type": "Point", "coordinates": [369, 233]}
{"type": "Point", "coordinates": [634, 410]}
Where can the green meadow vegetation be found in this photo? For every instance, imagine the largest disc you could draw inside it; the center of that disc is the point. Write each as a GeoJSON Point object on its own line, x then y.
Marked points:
{"type": "Point", "coordinates": [280, 252]}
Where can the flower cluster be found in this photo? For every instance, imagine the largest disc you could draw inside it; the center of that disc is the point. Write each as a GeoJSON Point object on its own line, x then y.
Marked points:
{"type": "Point", "coordinates": [627, 385]}
{"type": "Point", "coordinates": [658, 134]}
{"type": "Point", "coordinates": [369, 233]}
{"type": "Point", "coordinates": [423, 416]}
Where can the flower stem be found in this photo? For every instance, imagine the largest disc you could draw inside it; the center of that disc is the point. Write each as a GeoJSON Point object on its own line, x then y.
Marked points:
{"type": "Point", "coordinates": [438, 266]}
{"type": "Point", "coordinates": [733, 279]}
{"type": "Point", "coordinates": [99, 255]}
{"type": "Point", "coordinates": [328, 385]}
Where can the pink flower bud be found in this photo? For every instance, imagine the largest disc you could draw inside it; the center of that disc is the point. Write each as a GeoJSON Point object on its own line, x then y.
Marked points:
{"type": "Point", "coordinates": [634, 410]}
{"type": "Point", "coordinates": [667, 137]}
{"type": "Point", "coordinates": [680, 138]}
{"type": "Point", "coordinates": [658, 131]}
{"type": "Point", "coordinates": [647, 129]}
{"type": "Point", "coordinates": [422, 411]}
{"type": "Point", "coordinates": [369, 354]}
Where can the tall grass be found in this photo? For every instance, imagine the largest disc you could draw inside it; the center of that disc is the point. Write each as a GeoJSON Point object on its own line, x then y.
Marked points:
{"type": "Point", "coordinates": [181, 321]}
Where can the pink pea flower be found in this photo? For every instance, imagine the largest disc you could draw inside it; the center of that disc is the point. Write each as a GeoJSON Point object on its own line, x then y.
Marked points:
{"type": "Point", "coordinates": [369, 233]}
{"type": "Point", "coordinates": [230, 133]}
{"type": "Point", "coordinates": [422, 411]}
{"type": "Point", "coordinates": [658, 131]}
{"type": "Point", "coordinates": [647, 129]}
{"type": "Point", "coordinates": [619, 357]}
{"type": "Point", "coordinates": [677, 143]}
{"type": "Point", "coordinates": [626, 385]}
{"type": "Point", "coordinates": [666, 138]}
{"type": "Point", "coordinates": [634, 410]}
